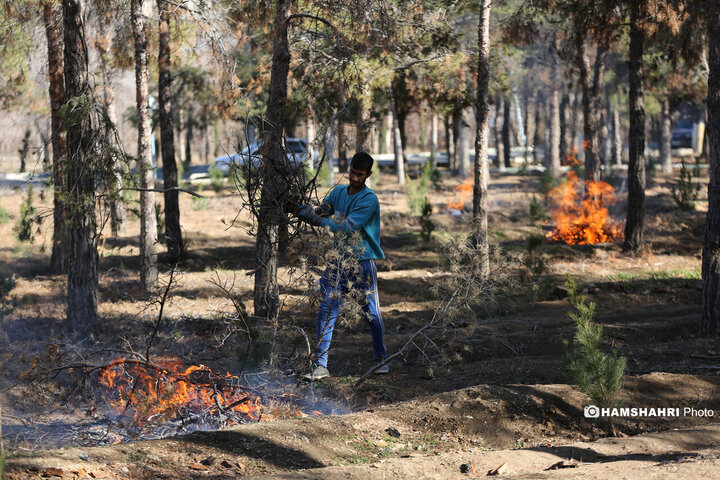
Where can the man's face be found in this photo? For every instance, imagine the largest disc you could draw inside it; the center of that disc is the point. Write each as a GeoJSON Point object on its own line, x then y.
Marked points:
{"type": "Point", "coordinates": [357, 177]}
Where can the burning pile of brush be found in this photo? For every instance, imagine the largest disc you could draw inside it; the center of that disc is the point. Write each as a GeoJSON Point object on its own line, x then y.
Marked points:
{"type": "Point", "coordinates": [582, 219]}
{"type": "Point", "coordinates": [147, 394]}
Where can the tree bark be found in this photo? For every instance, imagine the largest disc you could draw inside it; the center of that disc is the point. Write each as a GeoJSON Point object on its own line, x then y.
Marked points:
{"type": "Point", "coordinates": [497, 133]}
{"type": "Point", "coordinates": [81, 221]}
{"type": "Point", "coordinates": [148, 223]}
{"type": "Point", "coordinates": [275, 171]}
{"type": "Point", "coordinates": [591, 89]}
{"type": "Point", "coordinates": [481, 170]}
{"type": "Point", "coordinates": [507, 147]}
{"type": "Point", "coordinates": [363, 120]}
{"type": "Point", "coordinates": [330, 149]}
{"type": "Point", "coordinates": [56, 88]}
{"type": "Point", "coordinates": [564, 124]}
{"type": "Point", "coordinates": [102, 44]}
{"type": "Point", "coordinates": [537, 134]}
{"type": "Point", "coordinates": [397, 140]}
{"type": "Point", "coordinates": [666, 136]}
{"type": "Point", "coordinates": [173, 231]}
{"type": "Point", "coordinates": [463, 147]}
{"type": "Point", "coordinates": [617, 146]}
{"type": "Point", "coordinates": [636, 165]}
{"type": "Point", "coordinates": [710, 316]}
{"type": "Point", "coordinates": [433, 139]}
{"type": "Point", "coordinates": [554, 118]}
{"type": "Point", "coordinates": [310, 135]}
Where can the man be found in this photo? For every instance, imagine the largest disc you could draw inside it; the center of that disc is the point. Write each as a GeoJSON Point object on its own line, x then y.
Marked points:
{"type": "Point", "coordinates": [354, 208]}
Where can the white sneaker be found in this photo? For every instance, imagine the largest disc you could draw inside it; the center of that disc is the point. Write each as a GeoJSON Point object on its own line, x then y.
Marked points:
{"type": "Point", "coordinates": [319, 372]}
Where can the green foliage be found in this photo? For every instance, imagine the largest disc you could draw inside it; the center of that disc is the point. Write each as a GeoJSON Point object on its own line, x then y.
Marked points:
{"type": "Point", "coordinates": [217, 179]}
{"type": "Point", "coordinates": [323, 174]}
{"type": "Point", "coordinates": [199, 203]}
{"type": "Point", "coordinates": [417, 191]}
{"type": "Point", "coordinates": [28, 217]}
{"type": "Point", "coordinates": [598, 374]}
{"type": "Point", "coordinates": [537, 211]}
{"type": "Point", "coordinates": [574, 293]}
{"type": "Point", "coordinates": [6, 286]}
{"type": "Point", "coordinates": [685, 191]}
{"type": "Point", "coordinates": [534, 244]}
{"type": "Point", "coordinates": [547, 183]}
{"type": "Point", "coordinates": [4, 216]}
{"type": "Point", "coordinates": [426, 224]}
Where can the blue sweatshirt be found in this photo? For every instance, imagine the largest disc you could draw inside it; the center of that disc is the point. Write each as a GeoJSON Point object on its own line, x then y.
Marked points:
{"type": "Point", "coordinates": [357, 212]}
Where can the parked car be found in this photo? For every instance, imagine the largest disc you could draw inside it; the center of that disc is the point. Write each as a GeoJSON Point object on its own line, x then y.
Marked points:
{"type": "Point", "coordinates": [296, 150]}
{"type": "Point", "coordinates": [682, 134]}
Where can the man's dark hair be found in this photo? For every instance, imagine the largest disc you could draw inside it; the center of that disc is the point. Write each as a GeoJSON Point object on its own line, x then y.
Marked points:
{"type": "Point", "coordinates": [362, 161]}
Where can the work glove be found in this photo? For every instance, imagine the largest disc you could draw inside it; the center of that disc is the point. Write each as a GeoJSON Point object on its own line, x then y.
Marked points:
{"type": "Point", "coordinates": [307, 214]}
{"type": "Point", "coordinates": [325, 210]}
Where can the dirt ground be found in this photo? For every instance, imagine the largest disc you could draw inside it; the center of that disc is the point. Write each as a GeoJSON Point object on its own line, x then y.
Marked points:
{"type": "Point", "coordinates": [494, 393]}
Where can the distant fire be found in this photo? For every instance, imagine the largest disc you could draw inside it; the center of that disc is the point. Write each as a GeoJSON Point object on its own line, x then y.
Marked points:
{"type": "Point", "coordinates": [166, 390]}
{"type": "Point", "coordinates": [583, 220]}
{"type": "Point", "coordinates": [461, 195]}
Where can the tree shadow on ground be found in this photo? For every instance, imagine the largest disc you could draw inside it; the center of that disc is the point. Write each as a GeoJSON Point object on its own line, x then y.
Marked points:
{"type": "Point", "coordinates": [240, 443]}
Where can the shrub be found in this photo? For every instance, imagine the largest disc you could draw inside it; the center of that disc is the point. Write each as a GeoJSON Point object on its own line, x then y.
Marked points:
{"type": "Point", "coordinates": [598, 374]}
{"type": "Point", "coordinates": [537, 212]}
{"type": "Point", "coordinates": [426, 224]}
{"type": "Point", "coordinates": [4, 216]}
{"type": "Point", "coordinates": [685, 191]}
{"type": "Point", "coordinates": [417, 191]}
{"type": "Point", "coordinates": [199, 203]}
{"type": "Point", "coordinates": [28, 217]}
{"type": "Point", "coordinates": [217, 179]}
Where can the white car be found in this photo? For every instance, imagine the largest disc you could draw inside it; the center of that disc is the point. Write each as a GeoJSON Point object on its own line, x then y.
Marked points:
{"type": "Point", "coordinates": [296, 150]}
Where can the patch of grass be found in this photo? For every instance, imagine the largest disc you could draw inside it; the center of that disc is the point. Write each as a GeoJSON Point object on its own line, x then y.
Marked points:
{"type": "Point", "coordinates": [4, 216]}
{"type": "Point", "coordinates": [137, 456]}
{"type": "Point", "coordinates": [687, 274]}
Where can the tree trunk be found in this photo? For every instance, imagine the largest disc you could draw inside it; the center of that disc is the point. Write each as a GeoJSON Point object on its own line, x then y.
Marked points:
{"type": "Point", "coordinates": [342, 145]}
{"type": "Point", "coordinates": [189, 135]}
{"type": "Point", "coordinates": [636, 164]}
{"type": "Point", "coordinates": [573, 121]}
{"type": "Point", "coordinates": [449, 142]}
{"type": "Point", "coordinates": [330, 149]}
{"type": "Point", "coordinates": [397, 140]}
{"type": "Point", "coordinates": [666, 137]}
{"type": "Point", "coordinates": [481, 170]}
{"type": "Point", "coordinates": [53, 33]}
{"type": "Point", "coordinates": [388, 134]}
{"type": "Point", "coordinates": [82, 224]}
{"type": "Point", "coordinates": [433, 139]}
{"type": "Point", "coordinates": [310, 135]}
{"type": "Point", "coordinates": [497, 133]}
{"type": "Point", "coordinates": [554, 118]}
{"type": "Point", "coordinates": [591, 101]}
{"type": "Point", "coordinates": [617, 146]}
{"type": "Point", "coordinates": [539, 127]}
{"type": "Point", "coordinates": [463, 147]}
{"type": "Point", "coordinates": [148, 222]}
{"type": "Point", "coordinates": [102, 44]}
{"type": "Point", "coordinates": [173, 231]}
{"type": "Point", "coordinates": [507, 147]}
{"type": "Point", "coordinates": [363, 119]}
{"type": "Point", "coordinates": [606, 134]}
{"type": "Point", "coordinates": [710, 317]}
{"type": "Point", "coordinates": [275, 171]}
{"type": "Point", "coordinates": [564, 124]}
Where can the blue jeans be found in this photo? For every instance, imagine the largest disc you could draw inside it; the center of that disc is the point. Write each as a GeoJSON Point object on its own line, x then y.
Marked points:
{"type": "Point", "coordinates": [334, 286]}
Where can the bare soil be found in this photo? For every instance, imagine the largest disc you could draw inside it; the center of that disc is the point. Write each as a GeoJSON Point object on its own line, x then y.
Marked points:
{"type": "Point", "coordinates": [498, 396]}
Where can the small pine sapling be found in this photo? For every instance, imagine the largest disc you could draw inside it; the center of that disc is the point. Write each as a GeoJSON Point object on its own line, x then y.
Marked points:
{"type": "Point", "coordinates": [217, 179]}
{"type": "Point", "coordinates": [28, 217]}
{"type": "Point", "coordinates": [597, 373]}
{"type": "Point", "coordinates": [685, 192]}
{"type": "Point", "coordinates": [24, 150]}
{"type": "Point", "coordinates": [426, 224]}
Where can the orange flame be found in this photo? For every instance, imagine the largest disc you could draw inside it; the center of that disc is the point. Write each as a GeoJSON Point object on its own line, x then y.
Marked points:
{"type": "Point", "coordinates": [151, 393]}
{"type": "Point", "coordinates": [586, 220]}
{"type": "Point", "coordinates": [461, 194]}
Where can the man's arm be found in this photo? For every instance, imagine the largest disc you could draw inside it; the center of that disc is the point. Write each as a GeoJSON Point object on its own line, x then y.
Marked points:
{"type": "Point", "coordinates": [356, 219]}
